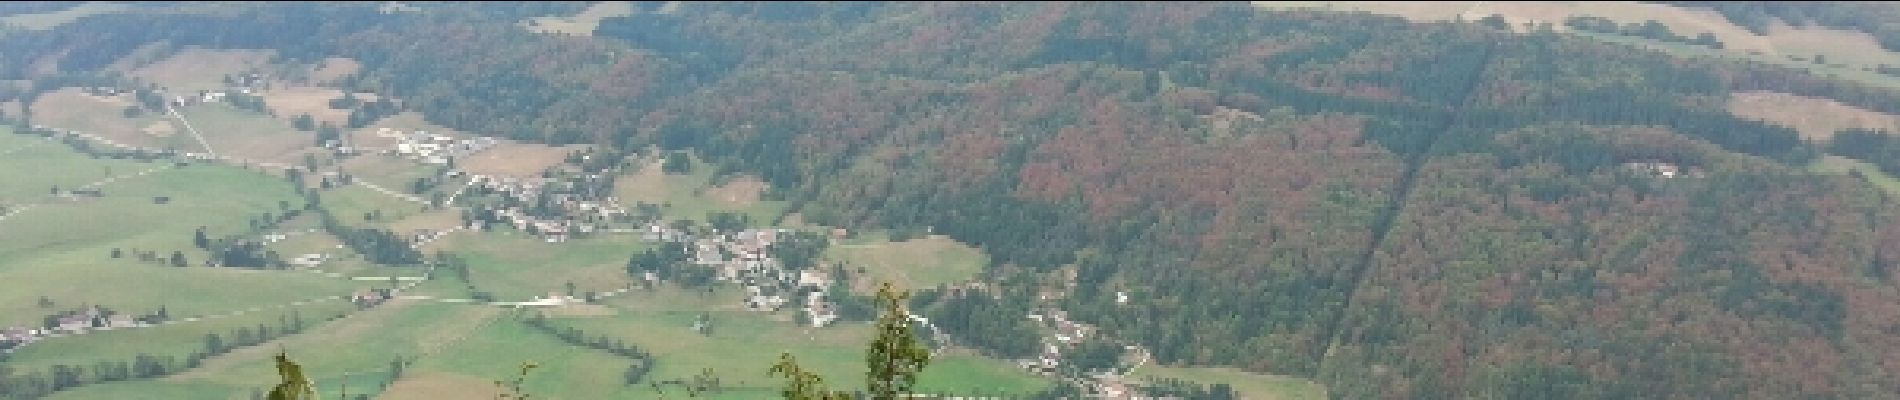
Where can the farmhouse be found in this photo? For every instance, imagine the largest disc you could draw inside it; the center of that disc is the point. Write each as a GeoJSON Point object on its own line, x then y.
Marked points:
{"type": "Point", "coordinates": [435, 149]}
{"type": "Point", "coordinates": [1663, 169]}
{"type": "Point", "coordinates": [15, 336]}
{"type": "Point", "coordinates": [370, 297]}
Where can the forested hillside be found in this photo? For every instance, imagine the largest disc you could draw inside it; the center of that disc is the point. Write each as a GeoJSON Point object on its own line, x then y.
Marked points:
{"type": "Point", "coordinates": [1399, 210]}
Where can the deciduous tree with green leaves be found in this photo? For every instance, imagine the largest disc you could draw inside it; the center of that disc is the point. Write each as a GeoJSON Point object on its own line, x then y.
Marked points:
{"type": "Point", "coordinates": [894, 359]}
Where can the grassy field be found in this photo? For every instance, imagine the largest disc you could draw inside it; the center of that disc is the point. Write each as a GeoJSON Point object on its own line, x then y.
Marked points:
{"type": "Point", "coordinates": [521, 160]}
{"type": "Point", "coordinates": [249, 135]}
{"type": "Point", "coordinates": [1814, 118]}
{"type": "Point", "coordinates": [44, 21]}
{"type": "Point", "coordinates": [290, 100]}
{"type": "Point", "coordinates": [1852, 51]}
{"type": "Point", "coordinates": [743, 346]}
{"type": "Point", "coordinates": [148, 390]}
{"type": "Point", "coordinates": [1840, 165]}
{"type": "Point", "coordinates": [911, 265]}
{"type": "Point", "coordinates": [460, 350]}
{"type": "Point", "coordinates": [496, 352]}
{"type": "Point", "coordinates": [31, 166]}
{"type": "Point", "coordinates": [515, 267]}
{"type": "Point", "coordinates": [390, 172]}
{"type": "Point", "coordinates": [1851, 74]}
{"type": "Point", "coordinates": [357, 348]}
{"type": "Point", "coordinates": [350, 203]}
{"type": "Point", "coordinates": [1249, 385]}
{"type": "Point", "coordinates": [62, 250]}
{"type": "Point", "coordinates": [176, 340]}
{"type": "Point", "coordinates": [192, 69]}
{"type": "Point", "coordinates": [407, 122]}
{"type": "Point", "coordinates": [71, 109]}
{"type": "Point", "coordinates": [332, 69]}
{"type": "Point", "coordinates": [691, 196]}
{"type": "Point", "coordinates": [581, 24]}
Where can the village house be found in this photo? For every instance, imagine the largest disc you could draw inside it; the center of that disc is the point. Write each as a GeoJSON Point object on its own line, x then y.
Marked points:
{"type": "Point", "coordinates": [369, 297]}
{"type": "Point", "coordinates": [435, 149]}
{"type": "Point", "coordinates": [1663, 169]}
{"type": "Point", "coordinates": [308, 260]}
{"type": "Point", "coordinates": [73, 323]}
{"type": "Point", "coordinates": [119, 321]}
{"type": "Point", "coordinates": [16, 336]}
{"type": "Point", "coordinates": [555, 299]}
{"type": "Point", "coordinates": [820, 312]}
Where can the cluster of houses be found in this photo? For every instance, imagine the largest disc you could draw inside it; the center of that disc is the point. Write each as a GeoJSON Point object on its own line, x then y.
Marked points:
{"type": "Point", "coordinates": [242, 84]}
{"type": "Point", "coordinates": [1066, 333]}
{"type": "Point", "coordinates": [553, 299]}
{"type": "Point", "coordinates": [1664, 170]}
{"type": "Point", "coordinates": [745, 258]}
{"type": "Point", "coordinates": [434, 149]}
{"type": "Point", "coordinates": [69, 323]}
{"type": "Point", "coordinates": [574, 214]}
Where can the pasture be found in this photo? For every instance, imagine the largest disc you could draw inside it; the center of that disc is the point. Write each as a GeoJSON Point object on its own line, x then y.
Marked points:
{"type": "Point", "coordinates": [1248, 385]}
{"type": "Point", "coordinates": [50, 20]}
{"type": "Point", "coordinates": [579, 24]}
{"type": "Point", "coordinates": [408, 121]}
{"type": "Point", "coordinates": [349, 204]}
{"type": "Point", "coordinates": [288, 101]}
{"type": "Point", "coordinates": [177, 340]}
{"type": "Point", "coordinates": [1841, 165]}
{"type": "Point", "coordinates": [248, 135]}
{"type": "Point", "coordinates": [356, 349]}
{"type": "Point", "coordinates": [1813, 118]}
{"type": "Point", "coordinates": [1851, 51]}
{"type": "Point", "coordinates": [521, 160]}
{"type": "Point", "coordinates": [31, 165]}
{"type": "Point", "coordinates": [691, 196]}
{"type": "Point", "coordinates": [910, 265]}
{"type": "Point", "coordinates": [390, 172]}
{"type": "Point", "coordinates": [62, 250]}
{"type": "Point", "coordinates": [743, 345]}
{"type": "Point", "coordinates": [329, 70]}
{"type": "Point", "coordinates": [193, 68]}
{"type": "Point", "coordinates": [72, 109]}
{"type": "Point", "coordinates": [516, 267]}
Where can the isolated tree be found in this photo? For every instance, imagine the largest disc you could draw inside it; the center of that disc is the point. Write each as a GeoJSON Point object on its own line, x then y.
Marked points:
{"type": "Point", "coordinates": [893, 361]}
{"type": "Point", "coordinates": [512, 389]}
{"type": "Point", "coordinates": [677, 163]}
{"type": "Point", "coordinates": [178, 259]}
{"type": "Point", "coordinates": [293, 384]}
{"type": "Point", "coordinates": [199, 239]}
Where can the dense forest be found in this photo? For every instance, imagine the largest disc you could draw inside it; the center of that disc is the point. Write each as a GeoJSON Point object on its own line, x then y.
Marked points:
{"type": "Point", "coordinates": [1398, 210]}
